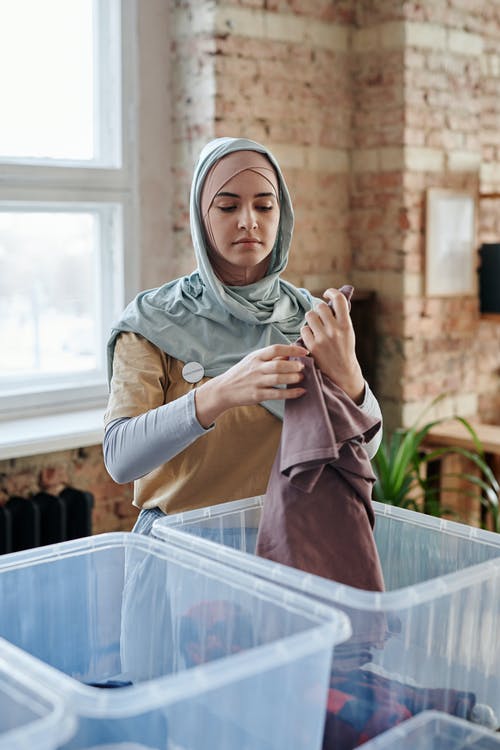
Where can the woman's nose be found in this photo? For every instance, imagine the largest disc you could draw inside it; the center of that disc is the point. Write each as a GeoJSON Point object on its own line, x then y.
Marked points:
{"type": "Point", "coordinates": [247, 219]}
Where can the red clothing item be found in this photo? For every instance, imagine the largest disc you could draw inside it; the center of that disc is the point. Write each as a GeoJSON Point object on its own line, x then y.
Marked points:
{"type": "Point", "coordinates": [317, 513]}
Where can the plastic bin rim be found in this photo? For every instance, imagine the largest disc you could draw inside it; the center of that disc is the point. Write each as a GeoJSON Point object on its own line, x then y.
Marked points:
{"type": "Point", "coordinates": [326, 590]}
{"type": "Point", "coordinates": [180, 554]}
{"type": "Point", "coordinates": [85, 700]}
{"type": "Point", "coordinates": [328, 627]}
{"type": "Point", "coordinates": [58, 722]}
{"type": "Point", "coordinates": [381, 509]}
{"type": "Point", "coordinates": [402, 730]}
{"type": "Point", "coordinates": [453, 528]}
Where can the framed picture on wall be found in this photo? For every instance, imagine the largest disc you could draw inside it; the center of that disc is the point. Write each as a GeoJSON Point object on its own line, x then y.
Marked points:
{"type": "Point", "coordinates": [450, 253]}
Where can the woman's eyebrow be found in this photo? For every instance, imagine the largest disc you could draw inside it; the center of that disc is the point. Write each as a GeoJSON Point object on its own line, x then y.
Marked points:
{"type": "Point", "coordinates": [224, 194]}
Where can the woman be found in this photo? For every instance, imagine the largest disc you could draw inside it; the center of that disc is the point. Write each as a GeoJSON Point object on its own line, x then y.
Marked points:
{"type": "Point", "coordinates": [201, 366]}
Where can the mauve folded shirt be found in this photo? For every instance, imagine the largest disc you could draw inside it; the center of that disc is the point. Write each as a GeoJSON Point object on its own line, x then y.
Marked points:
{"type": "Point", "coordinates": [317, 513]}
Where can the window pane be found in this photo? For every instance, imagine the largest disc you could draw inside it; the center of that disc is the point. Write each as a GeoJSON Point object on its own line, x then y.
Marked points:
{"type": "Point", "coordinates": [49, 293]}
{"type": "Point", "coordinates": [47, 79]}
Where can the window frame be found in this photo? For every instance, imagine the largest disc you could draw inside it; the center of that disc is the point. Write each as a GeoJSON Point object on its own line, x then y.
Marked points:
{"type": "Point", "coordinates": [62, 185]}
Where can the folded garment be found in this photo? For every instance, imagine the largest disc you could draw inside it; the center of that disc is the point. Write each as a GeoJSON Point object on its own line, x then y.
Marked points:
{"type": "Point", "coordinates": [317, 513]}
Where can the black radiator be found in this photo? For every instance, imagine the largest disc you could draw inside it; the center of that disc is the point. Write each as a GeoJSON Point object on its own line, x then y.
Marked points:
{"type": "Point", "coordinates": [489, 278]}
{"type": "Point", "coordinates": [45, 519]}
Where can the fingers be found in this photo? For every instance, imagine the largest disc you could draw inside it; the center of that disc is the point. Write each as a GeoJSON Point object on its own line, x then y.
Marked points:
{"type": "Point", "coordinates": [307, 337]}
{"type": "Point", "coordinates": [339, 304]}
{"type": "Point", "coordinates": [325, 318]}
{"type": "Point", "coordinates": [284, 366]}
{"type": "Point", "coordinates": [347, 290]}
{"type": "Point", "coordinates": [281, 394]}
{"type": "Point", "coordinates": [281, 372]}
{"type": "Point", "coordinates": [282, 351]}
{"type": "Point", "coordinates": [274, 372]}
{"type": "Point", "coordinates": [276, 379]}
{"type": "Point", "coordinates": [319, 319]}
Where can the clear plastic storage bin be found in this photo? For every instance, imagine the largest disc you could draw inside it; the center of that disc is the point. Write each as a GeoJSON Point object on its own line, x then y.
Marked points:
{"type": "Point", "coordinates": [157, 646]}
{"type": "Point", "coordinates": [433, 730]}
{"type": "Point", "coordinates": [436, 626]}
{"type": "Point", "coordinates": [30, 715]}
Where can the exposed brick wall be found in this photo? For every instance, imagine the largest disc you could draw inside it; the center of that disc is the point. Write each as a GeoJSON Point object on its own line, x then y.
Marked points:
{"type": "Point", "coordinates": [281, 75]}
{"type": "Point", "coordinates": [427, 346]}
{"type": "Point", "coordinates": [193, 114]}
{"type": "Point", "coordinates": [488, 341]}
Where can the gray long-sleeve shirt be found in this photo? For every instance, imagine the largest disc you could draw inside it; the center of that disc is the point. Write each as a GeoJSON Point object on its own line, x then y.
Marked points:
{"type": "Point", "coordinates": [134, 446]}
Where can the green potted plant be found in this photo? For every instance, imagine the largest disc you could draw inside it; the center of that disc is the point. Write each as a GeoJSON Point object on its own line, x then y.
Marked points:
{"type": "Point", "coordinates": [401, 466]}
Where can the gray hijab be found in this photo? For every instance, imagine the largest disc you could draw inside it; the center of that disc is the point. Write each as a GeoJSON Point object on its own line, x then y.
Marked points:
{"type": "Point", "coordinates": [198, 317]}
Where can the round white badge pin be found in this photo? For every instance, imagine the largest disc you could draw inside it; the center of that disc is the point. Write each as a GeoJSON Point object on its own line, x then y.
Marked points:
{"type": "Point", "coordinates": [192, 372]}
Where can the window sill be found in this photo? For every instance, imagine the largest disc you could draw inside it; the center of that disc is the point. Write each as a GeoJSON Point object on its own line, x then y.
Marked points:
{"type": "Point", "coordinates": [45, 434]}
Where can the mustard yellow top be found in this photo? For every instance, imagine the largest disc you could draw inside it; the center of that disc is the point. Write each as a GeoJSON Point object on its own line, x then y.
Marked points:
{"type": "Point", "coordinates": [231, 461]}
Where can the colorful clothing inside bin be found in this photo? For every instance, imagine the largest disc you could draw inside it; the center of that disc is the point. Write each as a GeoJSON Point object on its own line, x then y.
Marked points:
{"type": "Point", "coordinates": [360, 703]}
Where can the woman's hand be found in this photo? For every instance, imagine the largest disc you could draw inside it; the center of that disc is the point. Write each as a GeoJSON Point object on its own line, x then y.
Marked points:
{"type": "Point", "coordinates": [329, 336]}
{"type": "Point", "coordinates": [252, 380]}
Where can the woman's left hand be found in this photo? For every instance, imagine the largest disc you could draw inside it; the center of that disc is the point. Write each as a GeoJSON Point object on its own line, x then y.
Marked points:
{"type": "Point", "coordinates": [329, 336]}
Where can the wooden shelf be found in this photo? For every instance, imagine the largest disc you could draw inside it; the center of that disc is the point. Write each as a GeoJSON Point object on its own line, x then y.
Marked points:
{"type": "Point", "coordinates": [494, 317]}
{"type": "Point", "coordinates": [455, 434]}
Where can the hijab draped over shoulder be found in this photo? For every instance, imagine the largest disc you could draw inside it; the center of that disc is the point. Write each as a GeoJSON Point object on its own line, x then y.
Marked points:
{"type": "Point", "coordinates": [199, 318]}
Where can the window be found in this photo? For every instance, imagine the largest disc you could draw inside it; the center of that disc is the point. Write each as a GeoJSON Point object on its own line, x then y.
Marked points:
{"type": "Point", "coordinates": [66, 201]}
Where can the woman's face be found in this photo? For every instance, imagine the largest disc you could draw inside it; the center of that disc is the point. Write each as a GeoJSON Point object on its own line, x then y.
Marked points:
{"type": "Point", "coordinates": [243, 222]}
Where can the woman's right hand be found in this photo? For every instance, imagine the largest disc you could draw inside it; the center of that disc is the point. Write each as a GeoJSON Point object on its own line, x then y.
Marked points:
{"type": "Point", "coordinates": [252, 380]}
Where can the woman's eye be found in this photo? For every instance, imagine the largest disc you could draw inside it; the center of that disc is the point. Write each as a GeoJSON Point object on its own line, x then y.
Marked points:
{"type": "Point", "coordinates": [264, 208]}
{"type": "Point", "coordinates": [226, 209]}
